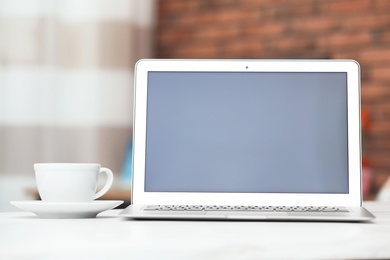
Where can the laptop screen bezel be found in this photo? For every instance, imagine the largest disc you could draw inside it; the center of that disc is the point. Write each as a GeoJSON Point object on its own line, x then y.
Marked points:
{"type": "Point", "coordinates": [140, 196]}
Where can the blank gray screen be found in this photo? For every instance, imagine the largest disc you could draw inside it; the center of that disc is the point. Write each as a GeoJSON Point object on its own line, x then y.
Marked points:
{"type": "Point", "coordinates": [246, 132]}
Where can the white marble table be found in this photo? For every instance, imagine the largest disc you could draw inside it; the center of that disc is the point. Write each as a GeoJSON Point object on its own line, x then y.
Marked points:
{"type": "Point", "coordinates": [25, 236]}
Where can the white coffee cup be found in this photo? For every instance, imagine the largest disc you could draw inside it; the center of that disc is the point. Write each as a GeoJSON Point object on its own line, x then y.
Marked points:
{"type": "Point", "coordinates": [70, 182]}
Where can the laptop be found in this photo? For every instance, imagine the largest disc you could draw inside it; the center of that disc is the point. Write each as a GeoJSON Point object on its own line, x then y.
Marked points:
{"type": "Point", "coordinates": [247, 140]}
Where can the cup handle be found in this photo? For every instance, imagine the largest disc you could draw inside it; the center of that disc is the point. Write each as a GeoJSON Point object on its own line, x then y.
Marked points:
{"type": "Point", "coordinates": [107, 186]}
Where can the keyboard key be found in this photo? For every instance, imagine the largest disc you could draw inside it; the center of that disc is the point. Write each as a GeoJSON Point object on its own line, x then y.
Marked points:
{"type": "Point", "coordinates": [151, 207]}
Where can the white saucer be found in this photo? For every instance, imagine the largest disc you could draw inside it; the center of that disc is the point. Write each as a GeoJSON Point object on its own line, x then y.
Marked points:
{"type": "Point", "coordinates": [66, 209]}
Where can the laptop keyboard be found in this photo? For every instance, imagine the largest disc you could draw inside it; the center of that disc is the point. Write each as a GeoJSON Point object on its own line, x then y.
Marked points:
{"type": "Point", "coordinates": [243, 208]}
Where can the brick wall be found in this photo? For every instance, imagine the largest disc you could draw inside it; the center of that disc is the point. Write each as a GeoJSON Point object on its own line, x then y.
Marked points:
{"type": "Point", "coordinates": [341, 29]}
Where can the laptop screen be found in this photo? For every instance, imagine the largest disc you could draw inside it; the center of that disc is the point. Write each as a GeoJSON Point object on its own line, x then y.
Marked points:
{"type": "Point", "coordinates": [247, 132]}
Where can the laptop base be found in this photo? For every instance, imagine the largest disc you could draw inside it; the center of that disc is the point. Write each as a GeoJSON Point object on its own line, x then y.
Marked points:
{"type": "Point", "coordinates": [353, 214]}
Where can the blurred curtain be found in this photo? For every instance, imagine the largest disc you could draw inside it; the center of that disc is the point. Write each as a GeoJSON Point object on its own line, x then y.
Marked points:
{"type": "Point", "coordinates": [66, 82]}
